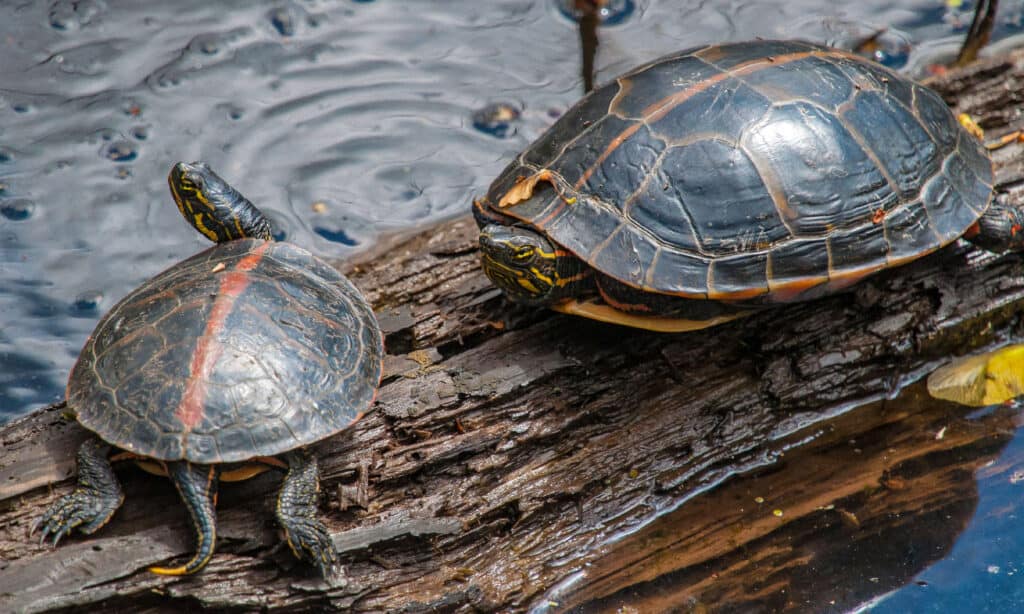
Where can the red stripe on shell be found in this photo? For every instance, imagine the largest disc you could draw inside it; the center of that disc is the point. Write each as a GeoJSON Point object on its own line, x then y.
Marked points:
{"type": "Point", "coordinates": [204, 358]}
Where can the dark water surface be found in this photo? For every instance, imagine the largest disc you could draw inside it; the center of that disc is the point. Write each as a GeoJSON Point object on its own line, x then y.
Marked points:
{"type": "Point", "coordinates": [346, 120]}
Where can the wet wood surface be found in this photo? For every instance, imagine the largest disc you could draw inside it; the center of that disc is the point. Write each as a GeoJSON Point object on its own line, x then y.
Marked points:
{"type": "Point", "coordinates": [876, 497]}
{"type": "Point", "coordinates": [508, 445]}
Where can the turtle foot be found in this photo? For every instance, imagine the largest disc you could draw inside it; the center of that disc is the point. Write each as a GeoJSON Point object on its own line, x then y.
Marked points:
{"type": "Point", "coordinates": [310, 541]}
{"type": "Point", "coordinates": [296, 511]}
{"type": "Point", "coordinates": [94, 501]}
{"type": "Point", "coordinates": [86, 509]}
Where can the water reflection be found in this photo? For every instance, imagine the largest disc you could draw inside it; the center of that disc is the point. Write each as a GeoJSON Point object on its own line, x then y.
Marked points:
{"type": "Point", "coordinates": [982, 571]}
{"type": "Point", "coordinates": [858, 517]}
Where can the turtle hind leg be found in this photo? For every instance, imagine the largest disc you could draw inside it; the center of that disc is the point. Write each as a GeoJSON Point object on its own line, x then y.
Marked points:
{"type": "Point", "coordinates": [197, 485]}
{"type": "Point", "coordinates": [297, 512]}
{"type": "Point", "coordinates": [94, 501]}
{"type": "Point", "coordinates": [1000, 229]}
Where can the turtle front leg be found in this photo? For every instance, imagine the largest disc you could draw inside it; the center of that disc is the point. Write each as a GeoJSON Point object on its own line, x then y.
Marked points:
{"type": "Point", "coordinates": [297, 513]}
{"type": "Point", "coordinates": [1000, 229]}
{"type": "Point", "coordinates": [197, 485]}
{"type": "Point", "coordinates": [96, 498]}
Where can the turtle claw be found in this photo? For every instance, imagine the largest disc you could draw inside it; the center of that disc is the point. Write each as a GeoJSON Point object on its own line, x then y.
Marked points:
{"type": "Point", "coordinates": [85, 509]}
{"type": "Point", "coordinates": [296, 511]}
{"type": "Point", "coordinates": [310, 541]}
{"type": "Point", "coordinates": [93, 502]}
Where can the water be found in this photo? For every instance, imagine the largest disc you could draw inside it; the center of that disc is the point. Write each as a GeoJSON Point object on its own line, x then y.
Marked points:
{"type": "Point", "coordinates": [345, 120]}
{"type": "Point", "coordinates": [982, 571]}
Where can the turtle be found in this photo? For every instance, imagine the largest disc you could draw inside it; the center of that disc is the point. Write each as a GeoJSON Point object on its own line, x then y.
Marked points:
{"type": "Point", "coordinates": [723, 179]}
{"type": "Point", "coordinates": [227, 364]}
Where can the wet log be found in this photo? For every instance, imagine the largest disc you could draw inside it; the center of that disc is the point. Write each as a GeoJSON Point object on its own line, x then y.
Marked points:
{"type": "Point", "coordinates": [508, 446]}
{"type": "Point", "coordinates": [878, 496]}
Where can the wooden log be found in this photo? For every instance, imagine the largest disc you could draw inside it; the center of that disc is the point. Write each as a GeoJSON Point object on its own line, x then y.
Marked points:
{"type": "Point", "coordinates": [510, 445]}
{"type": "Point", "coordinates": [880, 494]}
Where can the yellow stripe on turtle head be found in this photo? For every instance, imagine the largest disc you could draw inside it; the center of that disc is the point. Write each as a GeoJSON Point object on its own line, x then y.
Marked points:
{"type": "Point", "coordinates": [524, 282]}
{"type": "Point", "coordinates": [197, 221]}
{"type": "Point", "coordinates": [179, 200]}
{"type": "Point", "coordinates": [541, 276]}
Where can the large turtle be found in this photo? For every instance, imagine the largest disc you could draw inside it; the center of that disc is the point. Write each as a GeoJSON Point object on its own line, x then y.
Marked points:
{"type": "Point", "coordinates": [720, 179]}
{"type": "Point", "coordinates": [246, 352]}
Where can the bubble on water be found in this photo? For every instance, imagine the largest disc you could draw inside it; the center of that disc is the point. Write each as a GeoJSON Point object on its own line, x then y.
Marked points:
{"type": "Point", "coordinates": [87, 303]}
{"type": "Point", "coordinates": [73, 14]}
{"type": "Point", "coordinates": [496, 119]}
{"type": "Point", "coordinates": [121, 151]}
{"type": "Point", "coordinates": [140, 133]}
{"type": "Point", "coordinates": [282, 20]}
{"type": "Point", "coordinates": [6, 155]}
{"type": "Point", "coordinates": [131, 109]}
{"type": "Point", "coordinates": [888, 47]}
{"type": "Point", "coordinates": [60, 20]}
{"type": "Point", "coordinates": [166, 79]}
{"type": "Point", "coordinates": [233, 111]}
{"type": "Point", "coordinates": [207, 45]}
{"type": "Point", "coordinates": [609, 12]}
{"type": "Point", "coordinates": [17, 210]}
{"type": "Point", "coordinates": [21, 107]}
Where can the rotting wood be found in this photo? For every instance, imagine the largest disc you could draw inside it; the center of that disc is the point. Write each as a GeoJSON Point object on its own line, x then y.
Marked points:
{"type": "Point", "coordinates": [509, 444]}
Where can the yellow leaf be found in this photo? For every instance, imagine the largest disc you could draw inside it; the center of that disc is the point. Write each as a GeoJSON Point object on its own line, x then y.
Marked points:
{"type": "Point", "coordinates": [985, 379]}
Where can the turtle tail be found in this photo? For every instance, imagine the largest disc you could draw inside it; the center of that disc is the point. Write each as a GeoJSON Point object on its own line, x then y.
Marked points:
{"type": "Point", "coordinates": [197, 485]}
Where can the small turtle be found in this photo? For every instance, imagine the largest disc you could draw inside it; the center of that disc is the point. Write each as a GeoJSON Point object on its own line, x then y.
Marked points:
{"type": "Point", "coordinates": [721, 179]}
{"type": "Point", "coordinates": [221, 367]}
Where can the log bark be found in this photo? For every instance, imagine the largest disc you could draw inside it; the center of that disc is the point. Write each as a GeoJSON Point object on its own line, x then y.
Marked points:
{"type": "Point", "coordinates": [510, 447]}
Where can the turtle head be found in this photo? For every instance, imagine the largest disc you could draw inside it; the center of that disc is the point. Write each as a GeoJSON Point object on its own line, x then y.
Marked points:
{"type": "Point", "coordinates": [213, 207]}
{"type": "Point", "coordinates": [528, 267]}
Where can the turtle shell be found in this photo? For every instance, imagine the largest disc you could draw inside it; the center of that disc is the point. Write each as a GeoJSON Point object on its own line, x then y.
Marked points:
{"type": "Point", "coordinates": [758, 169]}
{"type": "Point", "coordinates": [250, 348]}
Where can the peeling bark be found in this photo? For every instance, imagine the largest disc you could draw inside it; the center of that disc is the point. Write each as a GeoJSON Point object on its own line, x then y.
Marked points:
{"type": "Point", "coordinates": [508, 445]}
